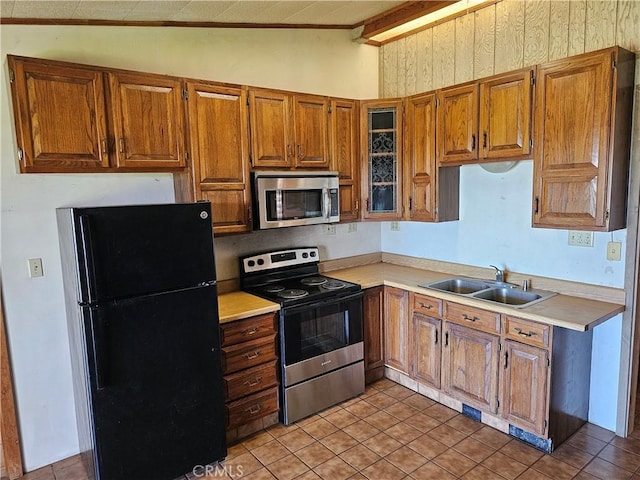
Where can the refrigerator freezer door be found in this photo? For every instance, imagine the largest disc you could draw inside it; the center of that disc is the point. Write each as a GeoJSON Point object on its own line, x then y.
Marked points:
{"type": "Point", "coordinates": [156, 384]}
{"type": "Point", "coordinates": [135, 250]}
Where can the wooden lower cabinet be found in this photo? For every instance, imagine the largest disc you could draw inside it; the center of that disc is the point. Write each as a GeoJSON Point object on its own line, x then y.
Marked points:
{"type": "Point", "coordinates": [470, 366]}
{"type": "Point", "coordinates": [373, 326]}
{"type": "Point", "coordinates": [525, 386]}
{"type": "Point", "coordinates": [425, 349]}
{"type": "Point", "coordinates": [396, 328]}
{"type": "Point", "coordinates": [250, 366]}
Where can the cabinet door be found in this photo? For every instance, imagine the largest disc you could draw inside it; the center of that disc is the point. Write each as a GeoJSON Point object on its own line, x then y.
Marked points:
{"type": "Point", "coordinates": [373, 333]}
{"type": "Point", "coordinates": [573, 122]}
{"type": "Point", "coordinates": [344, 156]}
{"type": "Point", "coordinates": [470, 366]}
{"type": "Point", "coordinates": [271, 129]}
{"type": "Point", "coordinates": [420, 160]}
{"type": "Point", "coordinates": [396, 330]}
{"type": "Point", "coordinates": [148, 120]}
{"type": "Point", "coordinates": [60, 115]}
{"type": "Point", "coordinates": [458, 125]}
{"type": "Point", "coordinates": [525, 386]}
{"type": "Point", "coordinates": [505, 116]}
{"type": "Point", "coordinates": [382, 166]}
{"type": "Point", "coordinates": [311, 124]}
{"type": "Point", "coordinates": [425, 349]}
{"type": "Point", "coordinates": [219, 145]}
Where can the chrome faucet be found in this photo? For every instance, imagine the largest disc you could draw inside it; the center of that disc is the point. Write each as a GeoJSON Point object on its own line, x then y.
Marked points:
{"type": "Point", "coordinates": [499, 274]}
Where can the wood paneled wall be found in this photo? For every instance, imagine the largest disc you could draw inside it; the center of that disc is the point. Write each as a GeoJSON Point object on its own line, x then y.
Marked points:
{"type": "Point", "coordinates": [505, 36]}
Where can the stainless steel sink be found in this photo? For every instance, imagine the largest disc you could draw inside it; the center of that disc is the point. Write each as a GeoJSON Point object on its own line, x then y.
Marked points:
{"type": "Point", "coordinates": [457, 285]}
{"type": "Point", "coordinates": [490, 291]}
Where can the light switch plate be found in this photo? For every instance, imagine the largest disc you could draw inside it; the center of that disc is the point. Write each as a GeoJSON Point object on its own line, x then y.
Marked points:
{"type": "Point", "coordinates": [35, 267]}
{"type": "Point", "coordinates": [614, 251]}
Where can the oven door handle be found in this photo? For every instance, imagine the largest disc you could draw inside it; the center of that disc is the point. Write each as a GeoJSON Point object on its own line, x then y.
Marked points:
{"type": "Point", "coordinates": [326, 301]}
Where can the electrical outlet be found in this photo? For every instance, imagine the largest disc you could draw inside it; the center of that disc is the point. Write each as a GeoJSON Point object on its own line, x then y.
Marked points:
{"type": "Point", "coordinates": [35, 267]}
{"type": "Point", "coordinates": [614, 251]}
{"type": "Point", "coordinates": [578, 238]}
{"type": "Point", "coordinates": [395, 226]}
{"type": "Point", "coordinates": [329, 229]}
{"type": "Point", "coordinates": [353, 227]}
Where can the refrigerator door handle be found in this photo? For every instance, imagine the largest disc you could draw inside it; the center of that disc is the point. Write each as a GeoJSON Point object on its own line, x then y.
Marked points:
{"type": "Point", "coordinates": [98, 348]}
{"type": "Point", "coordinates": [88, 270]}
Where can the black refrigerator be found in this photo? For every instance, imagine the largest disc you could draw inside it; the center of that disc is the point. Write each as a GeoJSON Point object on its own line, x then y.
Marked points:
{"type": "Point", "coordinates": [142, 311]}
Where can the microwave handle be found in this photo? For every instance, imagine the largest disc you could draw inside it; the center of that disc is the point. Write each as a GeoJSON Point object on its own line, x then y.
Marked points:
{"type": "Point", "coordinates": [326, 202]}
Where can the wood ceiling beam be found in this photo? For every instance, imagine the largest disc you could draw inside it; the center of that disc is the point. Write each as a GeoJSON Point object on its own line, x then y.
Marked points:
{"type": "Point", "coordinates": [401, 14]}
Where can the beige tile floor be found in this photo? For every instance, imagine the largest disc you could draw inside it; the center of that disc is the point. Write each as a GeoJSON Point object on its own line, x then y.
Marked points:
{"type": "Point", "coordinates": [392, 433]}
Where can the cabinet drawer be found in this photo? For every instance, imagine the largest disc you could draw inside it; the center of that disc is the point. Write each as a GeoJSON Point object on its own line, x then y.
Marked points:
{"type": "Point", "coordinates": [427, 305]}
{"type": "Point", "coordinates": [248, 354]}
{"type": "Point", "coordinates": [252, 407]}
{"type": "Point", "coordinates": [247, 329]}
{"type": "Point", "coordinates": [472, 317]}
{"type": "Point", "coordinates": [250, 381]}
{"type": "Point", "coordinates": [526, 331]}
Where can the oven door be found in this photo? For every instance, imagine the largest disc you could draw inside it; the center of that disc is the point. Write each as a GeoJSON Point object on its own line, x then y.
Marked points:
{"type": "Point", "coordinates": [315, 329]}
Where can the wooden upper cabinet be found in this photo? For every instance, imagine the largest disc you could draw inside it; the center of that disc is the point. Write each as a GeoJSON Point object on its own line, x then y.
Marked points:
{"type": "Point", "coordinates": [311, 126]}
{"type": "Point", "coordinates": [288, 131]}
{"type": "Point", "coordinates": [420, 157]}
{"type": "Point", "coordinates": [381, 131]}
{"type": "Point", "coordinates": [458, 124]}
{"type": "Point", "coordinates": [271, 130]}
{"type": "Point", "coordinates": [147, 120]}
{"type": "Point", "coordinates": [344, 155]}
{"type": "Point", "coordinates": [582, 129]}
{"type": "Point", "coordinates": [505, 116]}
{"type": "Point", "coordinates": [60, 116]}
{"type": "Point", "coordinates": [219, 146]}
{"type": "Point", "coordinates": [431, 195]}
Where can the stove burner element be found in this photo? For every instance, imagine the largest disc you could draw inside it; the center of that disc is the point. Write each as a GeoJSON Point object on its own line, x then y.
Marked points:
{"type": "Point", "coordinates": [273, 288]}
{"type": "Point", "coordinates": [334, 285]}
{"type": "Point", "coordinates": [313, 281]}
{"type": "Point", "coordinates": [293, 293]}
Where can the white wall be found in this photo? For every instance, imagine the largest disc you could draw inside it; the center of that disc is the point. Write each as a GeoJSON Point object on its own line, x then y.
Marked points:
{"type": "Point", "coordinates": [495, 228]}
{"type": "Point", "coordinates": [311, 61]}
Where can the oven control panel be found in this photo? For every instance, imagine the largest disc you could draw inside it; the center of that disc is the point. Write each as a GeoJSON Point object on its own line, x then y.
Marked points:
{"type": "Point", "coordinates": [281, 258]}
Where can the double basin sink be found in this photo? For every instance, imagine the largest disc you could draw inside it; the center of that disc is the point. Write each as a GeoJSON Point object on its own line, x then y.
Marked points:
{"type": "Point", "coordinates": [491, 291]}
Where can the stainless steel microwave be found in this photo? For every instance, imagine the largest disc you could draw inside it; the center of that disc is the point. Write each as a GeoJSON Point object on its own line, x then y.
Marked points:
{"type": "Point", "coordinates": [288, 199]}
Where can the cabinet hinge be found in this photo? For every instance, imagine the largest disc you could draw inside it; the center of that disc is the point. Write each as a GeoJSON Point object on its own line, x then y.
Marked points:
{"type": "Point", "coordinates": [329, 109]}
{"type": "Point", "coordinates": [531, 143]}
{"type": "Point", "coordinates": [533, 79]}
{"type": "Point", "coordinates": [12, 76]}
{"type": "Point", "coordinates": [186, 156]}
{"type": "Point", "coordinates": [437, 102]}
{"type": "Point", "coordinates": [20, 154]}
{"type": "Point", "coordinates": [498, 403]}
{"type": "Point", "coordinates": [614, 64]}
{"type": "Point", "coordinates": [185, 94]}
{"type": "Point", "coordinates": [499, 346]}
{"type": "Point", "coordinates": [548, 362]}
{"type": "Point", "coordinates": [247, 100]}
{"type": "Point", "coordinates": [606, 214]}
{"type": "Point", "coordinates": [251, 160]}
{"type": "Point", "coordinates": [546, 424]}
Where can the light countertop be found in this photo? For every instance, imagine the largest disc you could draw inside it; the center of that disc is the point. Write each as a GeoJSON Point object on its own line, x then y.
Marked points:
{"type": "Point", "coordinates": [565, 311]}
{"type": "Point", "coordinates": [238, 305]}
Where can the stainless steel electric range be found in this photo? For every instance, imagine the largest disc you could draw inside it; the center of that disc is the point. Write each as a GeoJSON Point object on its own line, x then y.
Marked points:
{"type": "Point", "coordinates": [321, 349]}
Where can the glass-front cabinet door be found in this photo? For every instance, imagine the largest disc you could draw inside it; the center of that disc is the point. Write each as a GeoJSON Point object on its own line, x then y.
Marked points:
{"type": "Point", "coordinates": [382, 168]}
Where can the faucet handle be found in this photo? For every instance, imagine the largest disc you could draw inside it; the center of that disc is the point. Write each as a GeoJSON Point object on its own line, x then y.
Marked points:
{"type": "Point", "coordinates": [499, 273]}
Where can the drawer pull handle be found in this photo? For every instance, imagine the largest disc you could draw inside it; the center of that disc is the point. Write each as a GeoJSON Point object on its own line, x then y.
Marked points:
{"type": "Point", "coordinates": [251, 356]}
{"type": "Point", "coordinates": [423, 305]}
{"type": "Point", "coordinates": [254, 409]}
{"type": "Point", "coordinates": [525, 334]}
{"type": "Point", "coordinates": [250, 331]}
{"type": "Point", "coordinates": [471, 319]}
{"type": "Point", "coordinates": [254, 382]}
{"type": "Point", "coordinates": [325, 363]}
